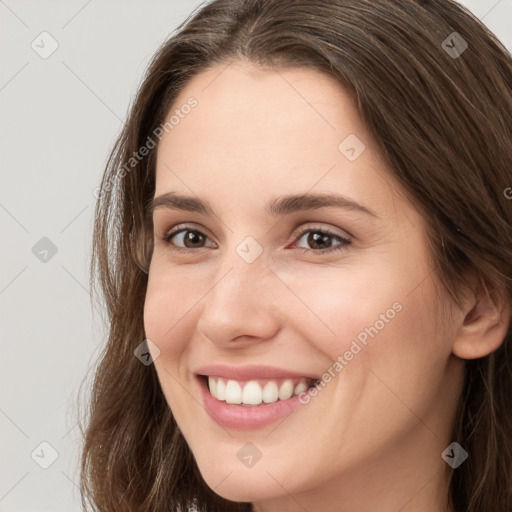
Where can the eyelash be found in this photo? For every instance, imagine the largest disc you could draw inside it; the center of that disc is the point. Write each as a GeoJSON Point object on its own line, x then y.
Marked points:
{"type": "Point", "coordinates": [344, 242]}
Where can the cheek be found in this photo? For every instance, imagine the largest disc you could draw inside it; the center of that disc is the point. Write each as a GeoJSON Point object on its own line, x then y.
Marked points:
{"type": "Point", "coordinates": [159, 311]}
{"type": "Point", "coordinates": [378, 321]}
{"type": "Point", "coordinates": [168, 322]}
{"type": "Point", "coordinates": [169, 307]}
{"type": "Point", "coordinates": [344, 309]}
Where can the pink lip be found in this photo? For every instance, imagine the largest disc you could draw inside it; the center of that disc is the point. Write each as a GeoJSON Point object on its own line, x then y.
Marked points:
{"type": "Point", "coordinates": [243, 417]}
{"type": "Point", "coordinates": [250, 372]}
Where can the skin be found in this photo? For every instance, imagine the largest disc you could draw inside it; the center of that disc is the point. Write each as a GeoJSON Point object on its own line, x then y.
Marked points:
{"type": "Point", "coordinates": [373, 436]}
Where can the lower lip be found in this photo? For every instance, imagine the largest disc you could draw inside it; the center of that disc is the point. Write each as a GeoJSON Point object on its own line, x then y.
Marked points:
{"type": "Point", "coordinates": [243, 417]}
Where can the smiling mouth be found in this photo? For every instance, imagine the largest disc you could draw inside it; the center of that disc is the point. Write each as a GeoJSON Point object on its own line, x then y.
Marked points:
{"type": "Point", "coordinates": [256, 392]}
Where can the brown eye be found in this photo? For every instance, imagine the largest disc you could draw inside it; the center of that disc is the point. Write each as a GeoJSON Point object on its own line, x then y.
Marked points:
{"type": "Point", "coordinates": [186, 239]}
{"type": "Point", "coordinates": [321, 240]}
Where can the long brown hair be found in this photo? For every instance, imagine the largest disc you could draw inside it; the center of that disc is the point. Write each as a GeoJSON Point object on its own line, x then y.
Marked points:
{"type": "Point", "coordinates": [443, 122]}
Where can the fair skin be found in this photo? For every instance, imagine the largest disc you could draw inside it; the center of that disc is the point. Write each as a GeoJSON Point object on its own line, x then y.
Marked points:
{"type": "Point", "coordinates": [372, 438]}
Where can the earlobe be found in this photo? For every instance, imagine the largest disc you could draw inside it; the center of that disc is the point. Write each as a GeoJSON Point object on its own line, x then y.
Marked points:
{"type": "Point", "coordinates": [484, 325]}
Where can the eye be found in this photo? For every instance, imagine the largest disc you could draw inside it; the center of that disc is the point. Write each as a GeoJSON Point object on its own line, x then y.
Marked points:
{"type": "Point", "coordinates": [321, 240]}
{"type": "Point", "coordinates": [190, 238]}
{"type": "Point", "coordinates": [185, 238]}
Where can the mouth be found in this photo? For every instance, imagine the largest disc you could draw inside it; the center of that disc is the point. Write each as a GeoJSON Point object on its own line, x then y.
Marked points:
{"type": "Point", "coordinates": [257, 392]}
{"type": "Point", "coordinates": [251, 396]}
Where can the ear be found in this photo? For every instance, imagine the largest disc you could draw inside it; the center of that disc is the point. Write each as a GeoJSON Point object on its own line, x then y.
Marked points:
{"type": "Point", "coordinates": [485, 317]}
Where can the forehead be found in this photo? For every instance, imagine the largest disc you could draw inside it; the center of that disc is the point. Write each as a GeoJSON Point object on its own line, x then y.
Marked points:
{"type": "Point", "coordinates": [257, 132]}
{"type": "Point", "coordinates": [246, 108]}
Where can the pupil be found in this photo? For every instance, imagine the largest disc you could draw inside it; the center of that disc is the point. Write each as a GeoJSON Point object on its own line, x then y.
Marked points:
{"type": "Point", "coordinates": [193, 237]}
{"type": "Point", "coordinates": [315, 238]}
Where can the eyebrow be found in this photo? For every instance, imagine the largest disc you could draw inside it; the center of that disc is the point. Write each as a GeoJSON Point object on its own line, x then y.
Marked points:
{"type": "Point", "coordinates": [278, 206]}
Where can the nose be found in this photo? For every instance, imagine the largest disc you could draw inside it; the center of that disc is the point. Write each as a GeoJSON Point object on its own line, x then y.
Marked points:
{"type": "Point", "coordinates": [239, 307]}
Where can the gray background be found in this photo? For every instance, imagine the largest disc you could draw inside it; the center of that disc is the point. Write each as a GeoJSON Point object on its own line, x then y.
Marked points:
{"type": "Point", "coordinates": [59, 118]}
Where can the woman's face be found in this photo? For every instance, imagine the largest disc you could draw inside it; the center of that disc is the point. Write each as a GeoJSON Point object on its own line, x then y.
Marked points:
{"type": "Point", "coordinates": [311, 265]}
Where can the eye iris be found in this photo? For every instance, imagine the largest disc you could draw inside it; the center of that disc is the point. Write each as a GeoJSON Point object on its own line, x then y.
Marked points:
{"type": "Point", "coordinates": [315, 237]}
{"type": "Point", "coordinates": [194, 238]}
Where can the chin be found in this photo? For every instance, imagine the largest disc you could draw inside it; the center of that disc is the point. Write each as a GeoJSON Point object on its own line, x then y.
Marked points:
{"type": "Point", "coordinates": [242, 485]}
{"type": "Point", "coordinates": [228, 477]}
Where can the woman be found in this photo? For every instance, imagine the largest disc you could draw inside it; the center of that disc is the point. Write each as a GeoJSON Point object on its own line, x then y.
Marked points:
{"type": "Point", "coordinates": [303, 236]}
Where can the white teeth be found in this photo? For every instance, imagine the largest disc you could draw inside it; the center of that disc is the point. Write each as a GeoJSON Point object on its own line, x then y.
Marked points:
{"type": "Point", "coordinates": [233, 392]}
{"type": "Point", "coordinates": [212, 384]}
{"type": "Point", "coordinates": [300, 388]}
{"type": "Point", "coordinates": [270, 392]}
{"type": "Point", "coordinates": [286, 390]}
{"type": "Point", "coordinates": [251, 393]}
{"type": "Point", "coordinates": [220, 391]}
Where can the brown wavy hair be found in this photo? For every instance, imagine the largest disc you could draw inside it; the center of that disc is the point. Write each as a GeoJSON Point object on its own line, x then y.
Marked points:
{"type": "Point", "coordinates": [443, 123]}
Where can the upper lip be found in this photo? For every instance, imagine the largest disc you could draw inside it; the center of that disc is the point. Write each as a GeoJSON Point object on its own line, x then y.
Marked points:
{"type": "Point", "coordinates": [251, 372]}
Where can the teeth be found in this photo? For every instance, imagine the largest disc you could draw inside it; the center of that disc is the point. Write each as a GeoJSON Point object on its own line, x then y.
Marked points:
{"type": "Point", "coordinates": [212, 384]}
{"type": "Point", "coordinates": [251, 392]}
{"type": "Point", "coordinates": [270, 392]}
{"type": "Point", "coordinates": [220, 389]}
{"type": "Point", "coordinates": [286, 390]}
{"type": "Point", "coordinates": [300, 388]}
{"type": "Point", "coordinates": [233, 392]}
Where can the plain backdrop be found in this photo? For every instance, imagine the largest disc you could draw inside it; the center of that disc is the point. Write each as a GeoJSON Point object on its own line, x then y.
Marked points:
{"type": "Point", "coordinates": [59, 117]}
